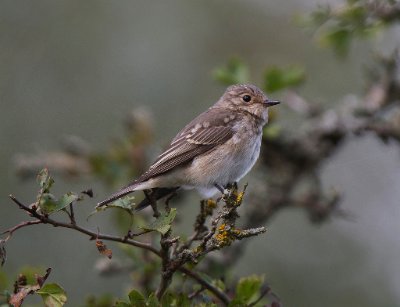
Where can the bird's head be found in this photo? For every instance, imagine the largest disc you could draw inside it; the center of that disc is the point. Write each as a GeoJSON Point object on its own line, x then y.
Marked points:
{"type": "Point", "coordinates": [248, 98]}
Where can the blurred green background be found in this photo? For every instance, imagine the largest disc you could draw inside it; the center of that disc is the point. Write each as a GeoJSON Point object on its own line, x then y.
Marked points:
{"type": "Point", "coordinates": [78, 67]}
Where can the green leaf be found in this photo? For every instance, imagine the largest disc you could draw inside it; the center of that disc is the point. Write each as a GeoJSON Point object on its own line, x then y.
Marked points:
{"type": "Point", "coordinates": [49, 204]}
{"type": "Point", "coordinates": [163, 223]}
{"type": "Point", "coordinates": [247, 288]}
{"type": "Point", "coordinates": [236, 71]}
{"type": "Point", "coordinates": [320, 15]}
{"type": "Point", "coordinates": [66, 199]}
{"type": "Point", "coordinates": [182, 300]}
{"type": "Point", "coordinates": [53, 295]}
{"type": "Point", "coordinates": [277, 78]}
{"type": "Point", "coordinates": [122, 304]}
{"type": "Point", "coordinates": [136, 298]}
{"type": "Point", "coordinates": [152, 301]}
{"type": "Point", "coordinates": [44, 180]}
{"type": "Point", "coordinates": [104, 300]}
{"type": "Point", "coordinates": [125, 203]}
{"type": "Point", "coordinates": [339, 38]}
{"type": "Point", "coordinates": [167, 300]}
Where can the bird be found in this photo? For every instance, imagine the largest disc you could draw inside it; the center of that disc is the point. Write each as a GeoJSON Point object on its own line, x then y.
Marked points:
{"type": "Point", "coordinates": [216, 149]}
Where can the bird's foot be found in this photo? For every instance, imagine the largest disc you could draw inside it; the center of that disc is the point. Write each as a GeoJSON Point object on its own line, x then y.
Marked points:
{"type": "Point", "coordinates": [153, 202]}
{"type": "Point", "coordinates": [223, 190]}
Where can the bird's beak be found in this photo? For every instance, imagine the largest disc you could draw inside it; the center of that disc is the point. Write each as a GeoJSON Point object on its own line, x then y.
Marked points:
{"type": "Point", "coordinates": [271, 103]}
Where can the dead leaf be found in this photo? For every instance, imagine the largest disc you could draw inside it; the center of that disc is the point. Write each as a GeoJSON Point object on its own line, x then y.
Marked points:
{"type": "Point", "coordinates": [102, 248]}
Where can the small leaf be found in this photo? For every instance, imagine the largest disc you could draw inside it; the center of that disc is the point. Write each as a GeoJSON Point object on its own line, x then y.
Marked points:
{"type": "Point", "coordinates": [48, 203]}
{"type": "Point", "coordinates": [53, 295]}
{"type": "Point", "coordinates": [316, 19]}
{"type": "Point", "coordinates": [66, 199]}
{"type": "Point", "coordinates": [182, 300]}
{"type": "Point", "coordinates": [136, 298]}
{"type": "Point", "coordinates": [338, 38]}
{"type": "Point", "coordinates": [45, 181]}
{"type": "Point", "coordinates": [234, 72]}
{"type": "Point", "coordinates": [167, 300]}
{"type": "Point", "coordinates": [152, 301]}
{"type": "Point", "coordinates": [247, 288]}
{"type": "Point", "coordinates": [102, 248]}
{"type": "Point", "coordinates": [122, 304]}
{"type": "Point", "coordinates": [277, 78]}
{"type": "Point", "coordinates": [125, 203]}
{"type": "Point", "coordinates": [163, 223]}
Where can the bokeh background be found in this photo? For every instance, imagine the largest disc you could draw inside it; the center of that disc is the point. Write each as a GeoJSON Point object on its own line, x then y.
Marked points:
{"type": "Point", "coordinates": [78, 67]}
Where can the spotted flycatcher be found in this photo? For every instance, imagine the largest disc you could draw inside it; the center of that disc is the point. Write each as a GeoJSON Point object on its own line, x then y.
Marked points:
{"type": "Point", "coordinates": [214, 150]}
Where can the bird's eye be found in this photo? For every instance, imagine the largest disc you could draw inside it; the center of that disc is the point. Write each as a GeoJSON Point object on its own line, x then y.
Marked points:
{"type": "Point", "coordinates": [246, 98]}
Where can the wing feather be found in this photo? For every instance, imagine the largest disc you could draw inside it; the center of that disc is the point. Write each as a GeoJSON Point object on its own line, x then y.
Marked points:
{"type": "Point", "coordinates": [187, 148]}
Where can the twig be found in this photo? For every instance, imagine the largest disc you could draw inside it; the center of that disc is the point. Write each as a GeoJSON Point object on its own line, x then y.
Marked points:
{"type": "Point", "coordinates": [196, 293]}
{"type": "Point", "coordinates": [72, 214]}
{"type": "Point", "coordinates": [46, 220]}
{"type": "Point", "coordinates": [167, 270]}
{"type": "Point", "coordinates": [20, 225]}
{"type": "Point", "coordinates": [218, 293]}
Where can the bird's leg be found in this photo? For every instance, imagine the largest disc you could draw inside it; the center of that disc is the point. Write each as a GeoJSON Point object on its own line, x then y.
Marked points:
{"type": "Point", "coordinates": [153, 202]}
{"type": "Point", "coordinates": [219, 187]}
{"type": "Point", "coordinates": [232, 186]}
{"type": "Point", "coordinates": [171, 196]}
{"type": "Point", "coordinates": [223, 190]}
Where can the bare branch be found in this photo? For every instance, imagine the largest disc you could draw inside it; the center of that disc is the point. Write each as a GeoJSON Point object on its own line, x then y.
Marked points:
{"type": "Point", "coordinates": [218, 293]}
{"type": "Point", "coordinates": [92, 234]}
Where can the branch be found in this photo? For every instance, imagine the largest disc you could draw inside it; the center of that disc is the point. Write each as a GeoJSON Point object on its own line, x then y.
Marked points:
{"type": "Point", "coordinates": [10, 231]}
{"type": "Point", "coordinates": [169, 266]}
{"type": "Point", "coordinates": [43, 219]}
{"type": "Point", "coordinates": [222, 296]}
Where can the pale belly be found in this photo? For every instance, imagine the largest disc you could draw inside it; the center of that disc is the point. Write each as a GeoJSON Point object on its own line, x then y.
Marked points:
{"type": "Point", "coordinates": [226, 164]}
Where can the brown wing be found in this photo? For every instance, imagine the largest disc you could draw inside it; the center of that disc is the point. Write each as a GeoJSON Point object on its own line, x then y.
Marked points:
{"type": "Point", "coordinates": [187, 148]}
{"type": "Point", "coordinates": [201, 135]}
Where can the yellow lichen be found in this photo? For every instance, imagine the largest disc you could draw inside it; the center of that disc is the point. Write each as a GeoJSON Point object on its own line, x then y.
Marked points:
{"type": "Point", "coordinates": [221, 227]}
{"type": "Point", "coordinates": [211, 203]}
{"type": "Point", "coordinates": [226, 235]}
{"type": "Point", "coordinates": [239, 198]}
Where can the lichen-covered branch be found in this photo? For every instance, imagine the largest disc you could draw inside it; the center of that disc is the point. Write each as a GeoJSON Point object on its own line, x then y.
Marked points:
{"type": "Point", "coordinates": [174, 252]}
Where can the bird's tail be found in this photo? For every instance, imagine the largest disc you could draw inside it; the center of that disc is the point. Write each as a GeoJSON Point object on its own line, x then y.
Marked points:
{"type": "Point", "coordinates": [124, 191]}
{"type": "Point", "coordinates": [156, 194]}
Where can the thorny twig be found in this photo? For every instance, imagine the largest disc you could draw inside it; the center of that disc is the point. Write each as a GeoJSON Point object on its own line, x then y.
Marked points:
{"type": "Point", "coordinates": [222, 233]}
